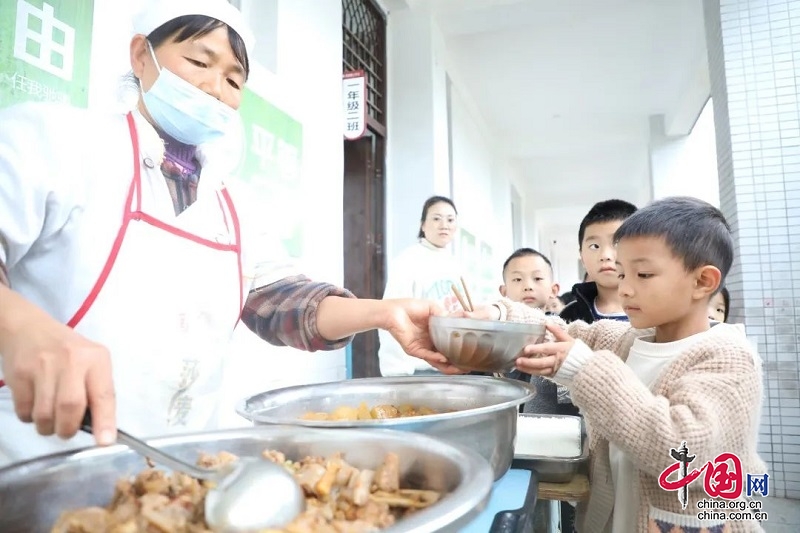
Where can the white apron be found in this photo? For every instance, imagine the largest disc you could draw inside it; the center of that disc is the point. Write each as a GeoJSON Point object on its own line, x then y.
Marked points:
{"type": "Point", "coordinates": [165, 305]}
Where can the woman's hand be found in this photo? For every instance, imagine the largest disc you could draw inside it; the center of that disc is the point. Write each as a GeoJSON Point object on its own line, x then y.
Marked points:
{"type": "Point", "coordinates": [545, 359]}
{"type": "Point", "coordinates": [53, 372]}
{"type": "Point", "coordinates": [407, 321]}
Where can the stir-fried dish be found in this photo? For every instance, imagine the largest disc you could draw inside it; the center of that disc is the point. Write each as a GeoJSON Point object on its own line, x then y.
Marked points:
{"type": "Point", "coordinates": [363, 412]}
{"type": "Point", "coordinates": [339, 499]}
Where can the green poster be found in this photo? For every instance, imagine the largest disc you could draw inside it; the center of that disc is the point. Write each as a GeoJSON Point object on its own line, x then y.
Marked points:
{"type": "Point", "coordinates": [45, 49]}
{"type": "Point", "coordinates": [272, 165]}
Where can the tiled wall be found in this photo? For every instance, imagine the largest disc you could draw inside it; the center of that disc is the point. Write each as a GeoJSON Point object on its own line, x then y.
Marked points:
{"type": "Point", "coordinates": [754, 78]}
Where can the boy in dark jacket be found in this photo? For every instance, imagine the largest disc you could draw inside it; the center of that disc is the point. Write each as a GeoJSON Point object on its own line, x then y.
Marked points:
{"type": "Point", "coordinates": [597, 297]}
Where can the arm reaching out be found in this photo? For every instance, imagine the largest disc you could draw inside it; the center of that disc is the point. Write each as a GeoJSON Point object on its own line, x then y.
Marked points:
{"type": "Point", "coordinates": [405, 319]}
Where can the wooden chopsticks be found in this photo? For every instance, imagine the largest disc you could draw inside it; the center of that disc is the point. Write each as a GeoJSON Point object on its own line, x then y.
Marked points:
{"type": "Point", "coordinates": [465, 304]}
{"type": "Point", "coordinates": [466, 292]}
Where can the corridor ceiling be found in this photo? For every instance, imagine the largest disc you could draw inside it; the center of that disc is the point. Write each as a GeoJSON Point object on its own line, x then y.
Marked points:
{"type": "Point", "coordinates": [568, 87]}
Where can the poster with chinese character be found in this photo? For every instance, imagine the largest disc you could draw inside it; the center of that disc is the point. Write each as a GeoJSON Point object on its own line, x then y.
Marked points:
{"type": "Point", "coordinates": [45, 48]}
{"type": "Point", "coordinates": [272, 165]}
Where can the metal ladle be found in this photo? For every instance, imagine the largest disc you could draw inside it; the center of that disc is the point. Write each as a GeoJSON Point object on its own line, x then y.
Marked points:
{"type": "Point", "coordinates": [247, 495]}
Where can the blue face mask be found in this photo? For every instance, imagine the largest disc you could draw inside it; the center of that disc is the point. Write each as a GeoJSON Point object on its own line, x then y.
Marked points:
{"type": "Point", "coordinates": [183, 111]}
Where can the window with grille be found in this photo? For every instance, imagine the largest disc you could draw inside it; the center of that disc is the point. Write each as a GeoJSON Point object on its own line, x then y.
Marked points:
{"type": "Point", "coordinates": [364, 39]}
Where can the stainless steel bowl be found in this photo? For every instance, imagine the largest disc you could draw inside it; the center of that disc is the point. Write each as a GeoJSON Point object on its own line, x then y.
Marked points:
{"type": "Point", "coordinates": [483, 417]}
{"type": "Point", "coordinates": [34, 493]}
{"type": "Point", "coordinates": [482, 345]}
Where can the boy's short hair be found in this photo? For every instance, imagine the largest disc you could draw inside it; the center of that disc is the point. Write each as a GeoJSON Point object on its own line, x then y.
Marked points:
{"type": "Point", "coordinates": [695, 231]}
{"type": "Point", "coordinates": [605, 211]}
{"type": "Point", "coordinates": [523, 252]}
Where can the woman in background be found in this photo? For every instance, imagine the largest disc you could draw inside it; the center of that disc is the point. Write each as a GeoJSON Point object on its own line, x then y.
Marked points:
{"type": "Point", "coordinates": [424, 270]}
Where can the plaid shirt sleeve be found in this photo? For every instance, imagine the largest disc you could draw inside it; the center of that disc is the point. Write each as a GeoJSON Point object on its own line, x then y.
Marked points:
{"type": "Point", "coordinates": [284, 313]}
{"type": "Point", "coordinates": [4, 275]}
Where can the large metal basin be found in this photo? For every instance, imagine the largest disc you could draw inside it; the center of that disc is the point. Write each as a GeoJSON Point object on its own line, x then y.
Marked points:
{"type": "Point", "coordinates": [484, 417]}
{"type": "Point", "coordinates": [34, 493]}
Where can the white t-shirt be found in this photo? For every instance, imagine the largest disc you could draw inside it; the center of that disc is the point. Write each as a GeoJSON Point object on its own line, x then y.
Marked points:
{"type": "Point", "coordinates": [647, 359]}
{"type": "Point", "coordinates": [420, 271]}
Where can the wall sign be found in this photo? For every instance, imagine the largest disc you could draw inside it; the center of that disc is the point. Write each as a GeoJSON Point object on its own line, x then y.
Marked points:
{"type": "Point", "coordinates": [45, 47]}
{"type": "Point", "coordinates": [354, 103]}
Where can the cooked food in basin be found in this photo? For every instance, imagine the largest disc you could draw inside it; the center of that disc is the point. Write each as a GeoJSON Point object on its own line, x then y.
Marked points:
{"type": "Point", "coordinates": [34, 494]}
{"type": "Point", "coordinates": [339, 497]}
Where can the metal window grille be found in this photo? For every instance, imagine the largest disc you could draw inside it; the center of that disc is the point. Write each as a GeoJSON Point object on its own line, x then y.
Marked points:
{"type": "Point", "coordinates": [364, 40]}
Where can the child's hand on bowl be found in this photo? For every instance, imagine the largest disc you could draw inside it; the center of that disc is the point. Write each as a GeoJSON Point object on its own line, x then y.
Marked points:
{"type": "Point", "coordinates": [546, 358]}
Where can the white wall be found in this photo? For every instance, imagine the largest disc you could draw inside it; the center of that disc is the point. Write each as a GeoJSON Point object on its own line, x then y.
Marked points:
{"type": "Point", "coordinates": [472, 170]}
{"type": "Point", "coordinates": [482, 180]}
{"type": "Point", "coordinates": [687, 164]}
{"type": "Point", "coordinates": [306, 84]}
{"type": "Point", "coordinates": [558, 239]}
{"type": "Point", "coordinates": [423, 139]}
{"type": "Point", "coordinates": [504, 177]}
{"type": "Point", "coordinates": [416, 168]}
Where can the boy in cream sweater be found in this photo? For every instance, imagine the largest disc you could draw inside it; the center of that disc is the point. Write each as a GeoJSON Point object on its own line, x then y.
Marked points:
{"type": "Point", "coordinates": [666, 378]}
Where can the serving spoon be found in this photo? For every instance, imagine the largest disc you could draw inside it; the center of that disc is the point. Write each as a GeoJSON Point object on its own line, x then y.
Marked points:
{"type": "Point", "coordinates": [248, 494]}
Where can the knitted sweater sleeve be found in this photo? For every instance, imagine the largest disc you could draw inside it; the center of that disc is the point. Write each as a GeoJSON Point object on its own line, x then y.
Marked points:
{"type": "Point", "coordinates": [600, 335]}
{"type": "Point", "coordinates": [712, 401]}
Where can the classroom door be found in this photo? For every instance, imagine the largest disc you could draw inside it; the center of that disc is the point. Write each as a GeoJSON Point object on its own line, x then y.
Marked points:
{"type": "Point", "coordinates": [364, 262]}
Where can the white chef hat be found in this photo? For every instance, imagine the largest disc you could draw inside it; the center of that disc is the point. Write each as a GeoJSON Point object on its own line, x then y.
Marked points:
{"type": "Point", "coordinates": [157, 12]}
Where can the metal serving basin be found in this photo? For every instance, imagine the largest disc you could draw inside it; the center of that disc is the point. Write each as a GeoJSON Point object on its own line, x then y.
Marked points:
{"type": "Point", "coordinates": [34, 493]}
{"type": "Point", "coordinates": [484, 416]}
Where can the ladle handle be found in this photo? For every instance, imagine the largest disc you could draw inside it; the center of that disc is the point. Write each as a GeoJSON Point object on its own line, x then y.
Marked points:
{"type": "Point", "coordinates": [155, 454]}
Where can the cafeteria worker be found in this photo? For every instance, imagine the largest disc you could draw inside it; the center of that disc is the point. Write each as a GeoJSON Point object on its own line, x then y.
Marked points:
{"type": "Point", "coordinates": [126, 261]}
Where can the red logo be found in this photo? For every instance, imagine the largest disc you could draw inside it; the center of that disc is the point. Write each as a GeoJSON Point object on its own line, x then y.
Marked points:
{"type": "Point", "coordinates": [723, 476]}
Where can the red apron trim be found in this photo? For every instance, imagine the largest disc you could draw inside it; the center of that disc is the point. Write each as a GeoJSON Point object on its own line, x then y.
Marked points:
{"type": "Point", "coordinates": [160, 224]}
{"type": "Point", "coordinates": [138, 215]}
{"type": "Point", "coordinates": [112, 258]}
{"type": "Point", "coordinates": [224, 215]}
{"type": "Point", "coordinates": [237, 235]}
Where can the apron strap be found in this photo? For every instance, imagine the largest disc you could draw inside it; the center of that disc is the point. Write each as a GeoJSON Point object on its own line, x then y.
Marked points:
{"type": "Point", "coordinates": [130, 214]}
{"type": "Point", "coordinates": [238, 240]}
{"type": "Point", "coordinates": [120, 234]}
{"type": "Point", "coordinates": [126, 219]}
